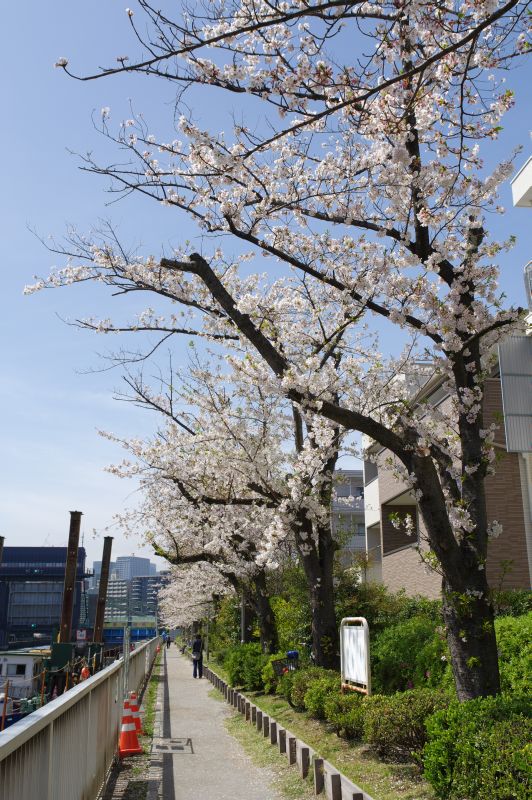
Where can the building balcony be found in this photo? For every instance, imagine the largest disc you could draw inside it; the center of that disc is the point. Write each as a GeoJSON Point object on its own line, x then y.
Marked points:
{"type": "Point", "coordinates": [522, 186]}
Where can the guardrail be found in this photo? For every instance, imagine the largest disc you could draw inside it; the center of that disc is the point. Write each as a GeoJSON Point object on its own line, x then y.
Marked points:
{"type": "Point", "coordinates": [63, 751]}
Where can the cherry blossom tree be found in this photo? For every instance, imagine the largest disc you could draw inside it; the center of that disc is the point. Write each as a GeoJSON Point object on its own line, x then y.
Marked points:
{"type": "Point", "coordinates": [366, 179]}
{"type": "Point", "coordinates": [233, 477]}
{"type": "Point", "coordinates": [190, 595]}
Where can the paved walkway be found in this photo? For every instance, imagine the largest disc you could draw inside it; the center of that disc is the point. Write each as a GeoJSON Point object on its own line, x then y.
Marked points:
{"type": "Point", "coordinates": [193, 756]}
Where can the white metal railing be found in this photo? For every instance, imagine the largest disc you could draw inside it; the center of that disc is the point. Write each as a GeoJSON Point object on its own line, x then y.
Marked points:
{"type": "Point", "coordinates": [64, 750]}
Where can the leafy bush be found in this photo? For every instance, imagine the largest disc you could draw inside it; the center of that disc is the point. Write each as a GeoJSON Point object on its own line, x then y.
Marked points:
{"type": "Point", "coordinates": [318, 692]}
{"type": "Point", "coordinates": [378, 605]}
{"type": "Point", "coordinates": [244, 665]}
{"type": "Point", "coordinates": [284, 685]}
{"type": "Point", "coordinates": [345, 712]}
{"type": "Point", "coordinates": [408, 654]}
{"type": "Point", "coordinates": [234, 662]}
{"type": "Point", "coordinates": [300, 682]}
{"type": "Point", "coordinates": [224, 630]}
{"type": "Point", "coordinates": [291, 609]}
{"type": "Point", "coordinates": [512, 602]}
{"type": "Point", "coordinates": [514, 635]}
{"type": "Point", "coordinates": [479, 749]}
{"type": "Point", "coordinates": [395, 725]}
{"type": "Point", "coordinates": [270, 680]}
{"type": "Point", "coordinates": [515, 661]}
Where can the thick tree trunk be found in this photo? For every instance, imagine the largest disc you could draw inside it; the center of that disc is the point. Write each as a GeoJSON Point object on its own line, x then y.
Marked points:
{"type": "Point", "coordinates": [265, 615]}
{"type": "Point", "coordinates": [472, 645]}
{"type": "Point", "coordinates": [247, 610]}
{"type": "Point", "coordinates": [318, 568]}
{"type": "Point", "coordinates": [467, 608]}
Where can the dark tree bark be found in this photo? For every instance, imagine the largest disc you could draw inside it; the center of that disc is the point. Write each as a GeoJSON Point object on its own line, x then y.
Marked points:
{"type": "Point", "coordinates": [467, 608]}
{"type": "Point", "coordinates": [316, 548]}
{"type": "Point", "coordinates": [247, 609]}
{"type": "Point", "coordinates": [266, 618]}
{"type": "Point", "coordinates": [318, 563]}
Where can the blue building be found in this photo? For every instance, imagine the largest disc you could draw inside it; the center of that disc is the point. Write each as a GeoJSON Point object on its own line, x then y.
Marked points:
{"type": "Point", "coordinates": [31, 594]}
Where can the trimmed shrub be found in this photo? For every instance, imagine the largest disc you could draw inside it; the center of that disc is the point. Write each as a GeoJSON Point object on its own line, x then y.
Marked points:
{"type": "Point", "coordinates": [480, 749]}
{"type": "Point", "coordinates": [244, 665]}
{"type": "Point", "coordinates": [514, 635]}
{"type": "Point", "coordinates": [395, 725]}
{"type": "Point", "coordinates": [302, 678]}
{"type": "Point", "coordinates": [345, 712]}
{"type": "Point", "coordinates": [318, 692]}
{"type": "Point", "coordinates": [408, 655]}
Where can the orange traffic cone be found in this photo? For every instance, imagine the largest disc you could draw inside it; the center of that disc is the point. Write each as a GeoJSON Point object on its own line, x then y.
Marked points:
{"type": "Point", "coordinates": [129, 744]}
{"type": "Point", "coordinates": [134, 706]}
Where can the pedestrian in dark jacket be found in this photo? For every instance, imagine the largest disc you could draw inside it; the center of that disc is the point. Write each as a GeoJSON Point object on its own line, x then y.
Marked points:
{"type": "Point", "coordinates": [197, 657]}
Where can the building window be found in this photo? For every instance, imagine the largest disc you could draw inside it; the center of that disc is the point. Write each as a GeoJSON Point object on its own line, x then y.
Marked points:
{"type": "Point", "coordinates": [371, 471]}
{"type": "Point", "coordinates": [16, 670]}
{"type": "Point", "coordinates": [342, 490]}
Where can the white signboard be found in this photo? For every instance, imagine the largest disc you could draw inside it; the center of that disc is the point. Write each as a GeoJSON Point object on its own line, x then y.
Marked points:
{"type": "Point", "coordinates": [354, 654]}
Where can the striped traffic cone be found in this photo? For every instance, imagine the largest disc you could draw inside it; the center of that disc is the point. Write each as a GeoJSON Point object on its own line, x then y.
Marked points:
{"type": "Point", "coordinates": [129, 744]}
{"type": "Point", "coordinates": [134, 706]}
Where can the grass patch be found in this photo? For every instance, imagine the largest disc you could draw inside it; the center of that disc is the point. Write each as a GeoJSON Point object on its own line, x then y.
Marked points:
{"type": "Point", "coordinates": [150, 703]}
{"type": "Point", "coordinates": [383, 781]}
{"type": "Point", "coordinates": [219, 669]}
{"type": "Point", "coordinates": [284, 779]}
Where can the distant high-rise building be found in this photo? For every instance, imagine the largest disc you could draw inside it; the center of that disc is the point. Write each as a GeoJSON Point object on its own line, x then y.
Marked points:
{"type": "Point", "coordinates": [129, 567]}
{"type": "Point", "coordinates": [31, 593]}
{"type": "Point", "coordinates": [132, 590]}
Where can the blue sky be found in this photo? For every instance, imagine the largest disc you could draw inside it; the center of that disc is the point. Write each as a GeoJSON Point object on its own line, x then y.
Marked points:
{"type": "Point", "coordinates": [51, 405]}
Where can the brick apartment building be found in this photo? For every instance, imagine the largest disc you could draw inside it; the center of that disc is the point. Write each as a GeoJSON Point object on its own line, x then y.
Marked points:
{"type": "Point", "coordinates": [392, 555]}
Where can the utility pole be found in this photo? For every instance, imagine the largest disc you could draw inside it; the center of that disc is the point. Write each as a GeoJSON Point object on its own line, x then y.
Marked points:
{"type": "Point", "coordinates": [65, 631]}
{"type": "Point", "coordinates": [126, 647]}
{"type": "Point", "coordinates": [102, 590]}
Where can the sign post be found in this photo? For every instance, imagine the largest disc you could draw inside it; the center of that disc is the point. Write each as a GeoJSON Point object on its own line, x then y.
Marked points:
{"type": "Point", "coordinates": [354, 655]}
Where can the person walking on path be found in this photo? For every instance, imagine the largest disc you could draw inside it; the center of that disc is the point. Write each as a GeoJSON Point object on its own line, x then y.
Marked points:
{"type": "Point", "coordinates": [197, 657]}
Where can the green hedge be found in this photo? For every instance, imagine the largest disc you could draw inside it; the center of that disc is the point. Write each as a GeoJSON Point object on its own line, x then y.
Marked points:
{"type": "Point", "coordinates": [481, 749]}
{"type": "Point", "coordinates": [378, 605]}
{"type": "Point", "coordinates": [345, 713]}
{"type": "Point", "coordinates": [512, 602]}
{"type": "Point", "coordinates": [244, 664]}
{"type": "Point", "coordinates": [514, 635]}
{"type": "Point", "coordinates": [300, 682]}
{"type": "Point", "coordinates": [396, 725]}
{"type": "Point", "coordinates": [407, 655]}
{"type": "Point", "coordinates": [318, 692]}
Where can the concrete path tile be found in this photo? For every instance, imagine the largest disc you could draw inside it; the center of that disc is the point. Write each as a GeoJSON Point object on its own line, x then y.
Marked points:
{"type": "Point", "coordinates": [193, 756]}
